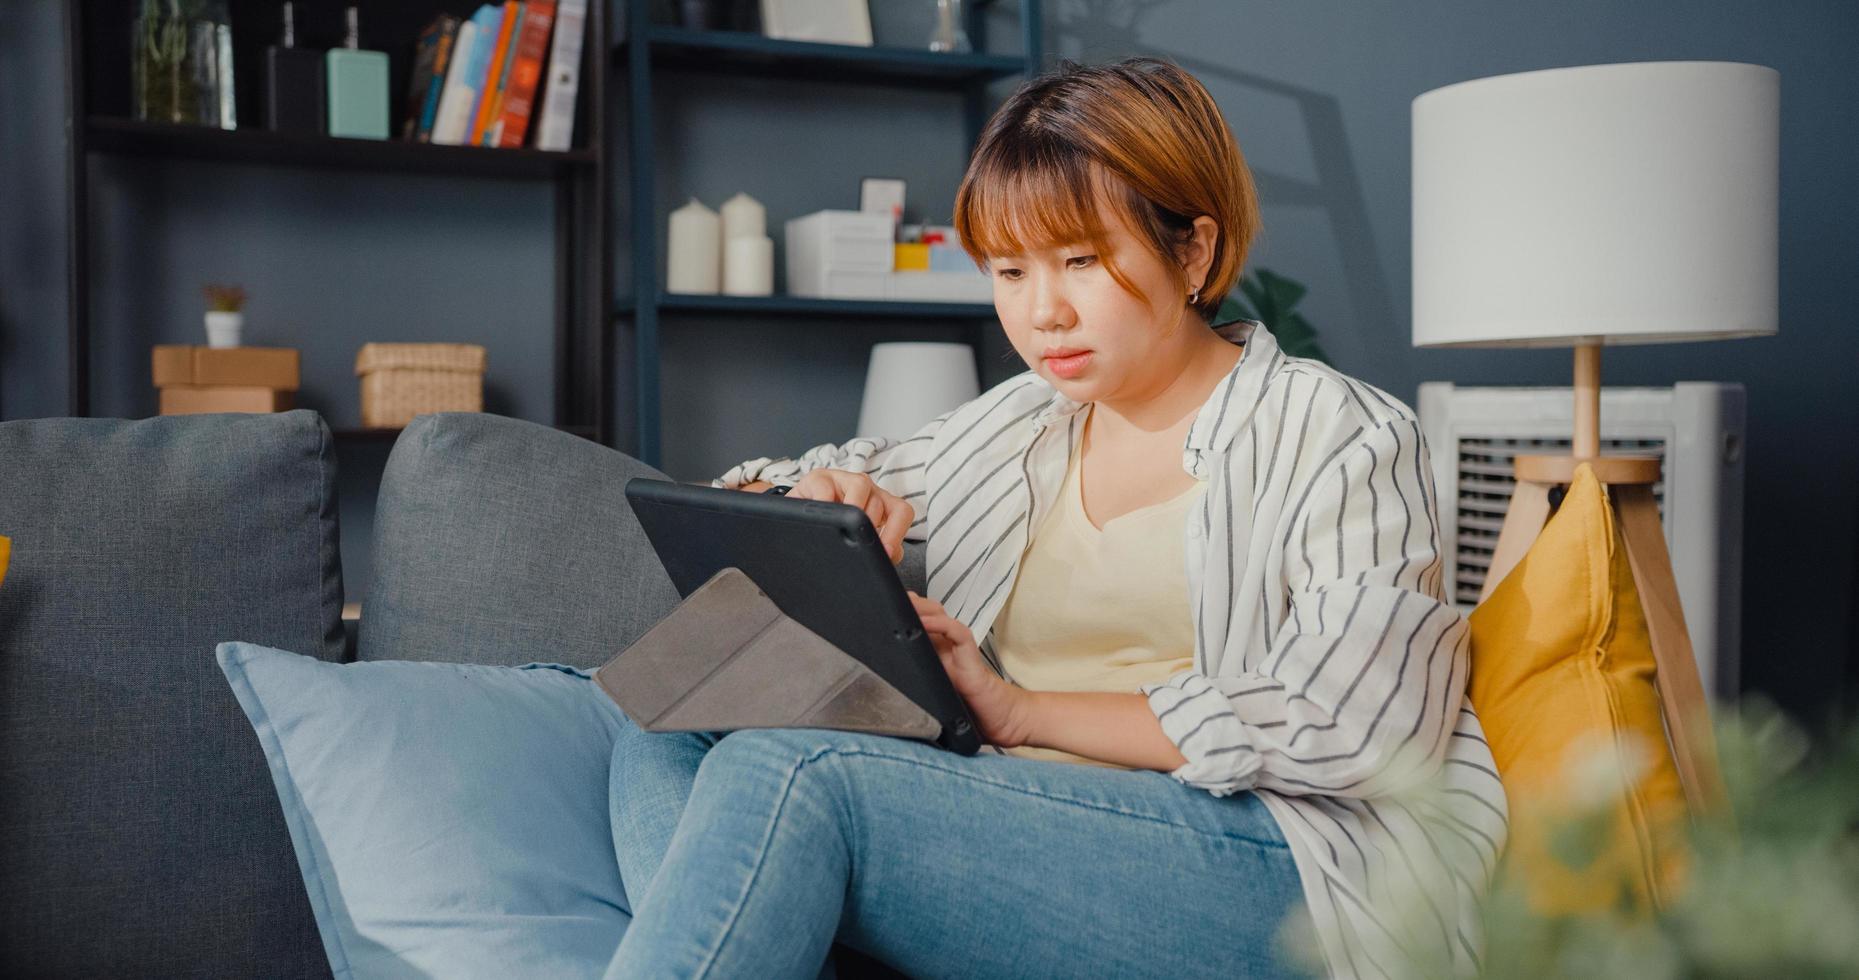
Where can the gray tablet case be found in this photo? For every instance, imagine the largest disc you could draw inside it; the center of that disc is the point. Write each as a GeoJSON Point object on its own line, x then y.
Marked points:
{"type": "Point", "coordinates": [727, 658]}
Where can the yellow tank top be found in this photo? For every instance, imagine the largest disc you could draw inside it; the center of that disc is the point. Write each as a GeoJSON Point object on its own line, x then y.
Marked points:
{"type": "Point", "coordinates": [1098, 610]}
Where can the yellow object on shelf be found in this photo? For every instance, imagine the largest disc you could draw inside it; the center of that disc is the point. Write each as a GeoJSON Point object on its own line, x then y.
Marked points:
{"type": "Point", "coordinates": [399, 381]}
{"type": "Point", "coordinates": [912, 257]}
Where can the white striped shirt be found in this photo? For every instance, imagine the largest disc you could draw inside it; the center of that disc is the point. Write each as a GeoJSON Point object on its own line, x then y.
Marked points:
{"type": "Point", "coordinates": [1329, 671]}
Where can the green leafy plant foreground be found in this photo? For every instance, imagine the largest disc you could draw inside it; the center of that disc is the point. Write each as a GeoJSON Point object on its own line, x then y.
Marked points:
{"type": "Point", "coordinates": [1771, 889]}
{"type": "Point", "coordinates": [224, 298]}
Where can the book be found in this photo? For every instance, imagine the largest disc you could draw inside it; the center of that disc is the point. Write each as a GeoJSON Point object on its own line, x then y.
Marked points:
{"type": "Point", "coordinates": [430, 79]}
{"type": "Point", "coordinates": [493, 72]}
{"type": "Point", "coordinates": [556, 130]}
{"type": "Point", "coordinates": [493, 125]}
{"type": "Point", "coordinates": [495, 116]}
{"type": "Point", "coordinates": [427, 79]}
{"type": "Point", "coordinates": [449, 124]}
{"type": "Point", "coordinates": [479, 69]}
{"type": "Point", "coordinates": [526, 73]}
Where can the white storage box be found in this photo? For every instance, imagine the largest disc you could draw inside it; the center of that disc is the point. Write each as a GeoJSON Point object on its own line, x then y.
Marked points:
{"type": "Point", "coordinates": [942, 287]}
{"type": "Point", "coordinates": [850, 255]}
{"type": "Point", "coordinates": [825, 246]}
{"type": "Point", "coordinates": [840, 284]}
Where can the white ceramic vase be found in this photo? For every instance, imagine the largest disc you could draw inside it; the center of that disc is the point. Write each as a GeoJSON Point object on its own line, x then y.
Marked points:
{"type": "Point", "coordinates": [223, 328]}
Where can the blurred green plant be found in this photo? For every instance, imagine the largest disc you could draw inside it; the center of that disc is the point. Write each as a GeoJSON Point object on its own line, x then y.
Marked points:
{"type": "Point", "coordinates": [1268, 297]}
{"type": "Point", "coordinates": [1771, 889]}
{"type": "Point", "coordinates": [224, 298]}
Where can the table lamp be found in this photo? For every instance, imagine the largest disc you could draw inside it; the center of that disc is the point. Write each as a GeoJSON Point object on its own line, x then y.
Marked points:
{"type": "Point", "coordinates": [1596, 205]}
{"type": "Point", "coordinates": [908, 384]}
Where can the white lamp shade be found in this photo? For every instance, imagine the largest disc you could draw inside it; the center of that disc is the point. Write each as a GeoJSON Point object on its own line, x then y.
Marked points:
{"type": "Point", "coordinates": [908, 384]}
{"type": "Point", "coordinates": [1618, 204]}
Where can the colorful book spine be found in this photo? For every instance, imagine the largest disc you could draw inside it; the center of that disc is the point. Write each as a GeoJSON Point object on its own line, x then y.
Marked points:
{"type": "Point", "coordinates": [493, 73]}
{"type": "Point", "coordinates": [556, 130]}
{"type": "Point", "coordinates": [526, 73]}
{"type": "Point", "coordinates": [455, 104]}
{"type": "Point", "coordinates": [475, 72]}
{"type": "Point", "coordinates": [427, 81]}
{"type": "Point", "coordinates": [493, 128]}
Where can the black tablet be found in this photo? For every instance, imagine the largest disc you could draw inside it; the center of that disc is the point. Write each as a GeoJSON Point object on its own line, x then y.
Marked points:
{"type": "Point", "coordinates": [820, 563]}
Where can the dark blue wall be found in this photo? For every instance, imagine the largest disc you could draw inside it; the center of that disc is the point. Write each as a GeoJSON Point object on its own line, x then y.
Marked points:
{"type": "Point", "coordinates": [1318, 92]}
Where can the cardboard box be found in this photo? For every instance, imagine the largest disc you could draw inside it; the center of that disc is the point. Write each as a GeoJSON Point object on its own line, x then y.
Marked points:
{"type": "Point", "coordinates": [254, 367]}
{"type": "Point", "coordinates": [196, 399]}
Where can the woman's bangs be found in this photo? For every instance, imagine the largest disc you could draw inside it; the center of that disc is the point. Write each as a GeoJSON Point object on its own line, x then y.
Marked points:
{"type": "Point", "coordinates": [1016, 210]}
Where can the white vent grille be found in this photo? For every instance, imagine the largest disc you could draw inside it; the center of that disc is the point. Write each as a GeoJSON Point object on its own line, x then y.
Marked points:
{"type": "Point", "coordinates": [1486, 480]}
{"type": "Point", "coordinates": [1694, 427]}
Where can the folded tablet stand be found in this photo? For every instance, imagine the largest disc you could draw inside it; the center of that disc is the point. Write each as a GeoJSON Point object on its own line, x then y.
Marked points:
{"type": "Point", "coordinates": [727, 658]}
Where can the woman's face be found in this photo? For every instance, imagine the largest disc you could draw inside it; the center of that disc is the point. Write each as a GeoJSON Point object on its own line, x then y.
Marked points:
{"type": "Point", "coordinates": [1077, 328]}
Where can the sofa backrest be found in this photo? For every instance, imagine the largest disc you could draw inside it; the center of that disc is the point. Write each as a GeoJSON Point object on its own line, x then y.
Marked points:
{"type": "Point", "coordinates": [143, 836]}
{"type": "Point", "coordinates": [499, 541]}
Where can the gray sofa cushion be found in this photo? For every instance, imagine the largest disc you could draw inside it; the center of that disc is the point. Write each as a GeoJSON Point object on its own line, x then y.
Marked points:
{"type": "Point", "coordinates": [142, 834]}
{"type": "Point", "coordinates": [499, 541]}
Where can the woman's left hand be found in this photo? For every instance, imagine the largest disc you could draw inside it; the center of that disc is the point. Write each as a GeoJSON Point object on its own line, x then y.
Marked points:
{"type": "Point", "coordinates": [1000, 709]}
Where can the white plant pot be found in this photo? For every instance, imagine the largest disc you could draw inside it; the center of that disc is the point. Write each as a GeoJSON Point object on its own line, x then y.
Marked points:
{"type": "Point", "coordinates": [223, 329]}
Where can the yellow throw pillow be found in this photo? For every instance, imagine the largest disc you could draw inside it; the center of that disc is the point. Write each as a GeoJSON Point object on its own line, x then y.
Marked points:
{"type": "Point", "coordinates": [1562, 677]}
{"type": "Point", "coordinates": [6, 555]}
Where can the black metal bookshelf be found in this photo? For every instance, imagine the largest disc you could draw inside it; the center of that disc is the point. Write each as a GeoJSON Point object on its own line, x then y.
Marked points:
{"type": "Point", "coordinates": [107, 134]}
{"type": "Point", "coordinates": [100, 121]}
{"type": "Point", "coordinates": [743, 53]}
{"type": "Point", "coordinates": [805, 306]}
{"type": "Point", "coordinates": [651, 48]}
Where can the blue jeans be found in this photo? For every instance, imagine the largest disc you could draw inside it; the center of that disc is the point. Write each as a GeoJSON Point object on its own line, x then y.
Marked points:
{"type": "Point", "coordinates": [747, 855]}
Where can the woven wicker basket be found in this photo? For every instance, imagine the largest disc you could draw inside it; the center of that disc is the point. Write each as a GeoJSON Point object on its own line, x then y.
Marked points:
{"type": "Point", "coordinates": [399, 381]}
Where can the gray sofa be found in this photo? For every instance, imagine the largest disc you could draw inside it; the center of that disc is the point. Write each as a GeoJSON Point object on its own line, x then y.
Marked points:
{"type": "Point", "coordinates": [143, 836]}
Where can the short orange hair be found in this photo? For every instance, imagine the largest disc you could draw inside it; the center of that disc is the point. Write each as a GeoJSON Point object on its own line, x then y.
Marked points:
{"type": "Point", "coordinates": [1142, 134]}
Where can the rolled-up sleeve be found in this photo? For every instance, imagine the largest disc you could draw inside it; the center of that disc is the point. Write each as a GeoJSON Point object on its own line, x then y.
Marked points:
{"type": "Point", "coordinates": [1364, 677]}
{"type": "Point", "coordinates": [896, 465]}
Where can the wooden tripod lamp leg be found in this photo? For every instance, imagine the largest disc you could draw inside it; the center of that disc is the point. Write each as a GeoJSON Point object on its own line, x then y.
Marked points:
{"type": "Point", "coordinates": [1529, 502]}
{"type": "Point", "coordinates": [1629, 481]}
{"type": "Point", "coordinates": [1523, 521]}
{"type": "Point", "coordinates": [1681, 691]}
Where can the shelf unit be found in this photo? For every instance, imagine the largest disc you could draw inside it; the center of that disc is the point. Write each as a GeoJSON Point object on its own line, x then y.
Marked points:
{"type": "Point", "coordinates": [99, 121]}
{"type": "Point", "coordinates": [806, 306]}
{"type": "Point", "coordinates": [650, 47]}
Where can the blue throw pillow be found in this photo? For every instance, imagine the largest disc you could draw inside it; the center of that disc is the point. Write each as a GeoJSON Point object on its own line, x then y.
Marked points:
{"type": "Point", "coordinates": [450, 820]}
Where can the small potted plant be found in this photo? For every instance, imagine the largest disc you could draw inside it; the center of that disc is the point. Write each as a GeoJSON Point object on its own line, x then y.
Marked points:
{"type": "Point", "coordinates": [225, 319]}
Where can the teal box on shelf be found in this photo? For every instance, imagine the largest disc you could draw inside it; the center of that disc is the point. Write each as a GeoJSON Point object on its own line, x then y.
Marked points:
{"type": "Point", "coordinates": [357, 80]}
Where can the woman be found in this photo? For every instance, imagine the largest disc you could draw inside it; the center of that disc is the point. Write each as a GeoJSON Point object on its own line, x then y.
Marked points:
{"type": "Point", "coordinates": [1166, 550]}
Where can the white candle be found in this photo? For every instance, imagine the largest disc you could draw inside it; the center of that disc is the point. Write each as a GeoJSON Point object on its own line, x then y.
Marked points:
{"type": "Point", "coordinates": [693, 250]}
{"type": "Point", "coordinates": [744, 217]}
{"type": "Point", "coordinates": [749, 266]}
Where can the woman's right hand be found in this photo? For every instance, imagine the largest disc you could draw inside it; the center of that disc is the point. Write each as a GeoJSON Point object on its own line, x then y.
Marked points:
{"type": "Point", "coordinates": [889, 514]}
